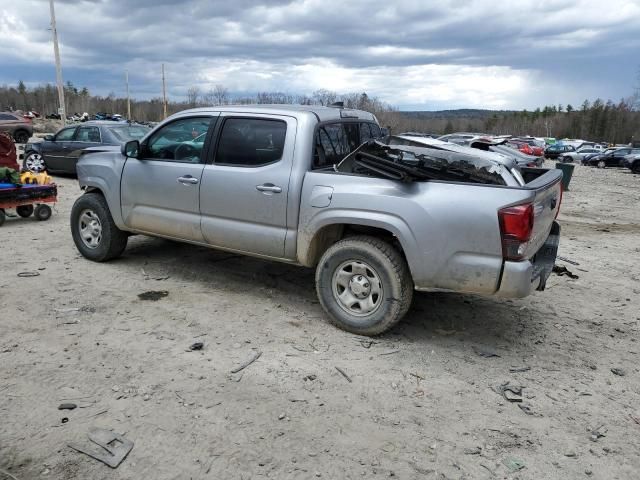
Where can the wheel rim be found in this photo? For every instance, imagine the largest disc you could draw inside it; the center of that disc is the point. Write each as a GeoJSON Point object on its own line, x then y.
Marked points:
{"type": "Point", "coordinates": [34, 163]}
{"type": "Point", "coordinates": [90, 228]}
{"type": "Point", "coordinates": [357, 288]}
{"type": "Point", "coordinates": [601, 164]}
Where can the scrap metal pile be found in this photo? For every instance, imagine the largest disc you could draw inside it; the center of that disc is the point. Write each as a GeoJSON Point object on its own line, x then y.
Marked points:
{"type": "Point", "coordinates": [408, 164]}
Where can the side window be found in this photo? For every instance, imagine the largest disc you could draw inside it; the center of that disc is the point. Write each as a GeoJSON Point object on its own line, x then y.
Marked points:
{"type": "Point", "coordinates": [65, 135]}
{"type": "Point", "coordinates": [375, 130]}
{"type": "Point", "coordinates": [180, 141]}
{"type": "Point", "coordinates": [365, 133]}
{"type": "Point", "coordinates": [4, 116]}
{"type": "Point", "coordinates": [88, 134]}
{"type": "Point", "coordinates": [251, 142]}
{"type": "Point", "coordinates": [331, 145]}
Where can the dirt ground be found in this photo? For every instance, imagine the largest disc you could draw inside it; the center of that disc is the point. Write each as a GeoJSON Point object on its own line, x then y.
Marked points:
{"type": "Point", "coordinates": [419, 402]}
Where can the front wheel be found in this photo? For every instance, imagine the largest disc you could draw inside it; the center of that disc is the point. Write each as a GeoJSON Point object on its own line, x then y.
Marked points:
{"type": "Point", "coordinates": [601, 164]}
{"type": "Point", "coordinates": [24, 211]}
{"type": "Point", "coordinates": [34, 162]}
{"type": "Point", "coordinates": [93, 230]}
{"type": "Point", "coordinates": [364, 285]}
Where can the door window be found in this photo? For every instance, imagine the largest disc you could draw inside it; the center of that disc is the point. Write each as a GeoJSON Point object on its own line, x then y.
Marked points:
{"type": "Point", "coordinates": [251, 142]}
{"type": "Point", "coordinates": [332, 145]}
{"type": "Point", "coordinates": [180, 141]}
{"type": "Point", "coordinates": [65, 135]}
{"type": "Point", "coordinates": [88, 134]}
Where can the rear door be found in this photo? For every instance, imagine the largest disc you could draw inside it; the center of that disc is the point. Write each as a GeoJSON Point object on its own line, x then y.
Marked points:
{"type": "Point", "coordinates": [55, 152]}
{"type": "Point", "coordinates": [243, 195]}
{"type": "Point", "coordinates": [86, 136]}
{"type": "Point", "coordinates": [160, 190]}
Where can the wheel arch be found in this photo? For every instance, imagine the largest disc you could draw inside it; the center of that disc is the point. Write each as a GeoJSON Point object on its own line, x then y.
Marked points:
{"type": "Point", "coordinates": [328, 230]}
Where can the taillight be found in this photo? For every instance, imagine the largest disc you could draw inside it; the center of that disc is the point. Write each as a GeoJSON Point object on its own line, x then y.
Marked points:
{"type": "Point", "coordinates": [516, 225]}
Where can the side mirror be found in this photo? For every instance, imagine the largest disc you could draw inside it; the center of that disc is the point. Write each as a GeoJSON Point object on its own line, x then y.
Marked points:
{"type": "Point", "coordinates": [131, 149]}
{"type": "Point", "coordinates": [49, 138]}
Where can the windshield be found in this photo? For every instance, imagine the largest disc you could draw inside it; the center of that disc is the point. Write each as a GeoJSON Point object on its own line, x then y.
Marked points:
{"type": "Point", "coordinates": [126, 133]}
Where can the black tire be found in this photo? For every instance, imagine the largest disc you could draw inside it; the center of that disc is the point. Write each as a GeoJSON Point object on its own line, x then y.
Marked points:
{"type": "Point", "coordinates": [3, 217]}
{"type": "Point", "coordinates": [21, 136]}
{"type": "Point", "coordinates": [112, 241]}
{"type": "Point", "coordinates": [635, 168]}
{"type": "Point", "coordinates": [25, 211]}
{"type": "Point", "coordinates": [42, 212]}
{"type": "Point", "coordinates": [386, 263]}
{"type": "Point", "coordinates": [26, 162]}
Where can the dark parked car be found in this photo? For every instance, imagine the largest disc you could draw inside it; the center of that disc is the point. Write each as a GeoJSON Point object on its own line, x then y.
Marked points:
{"type": "Point", "coordinates": [614, 158]}
{"type": "Point", "coordinates": [60, 152]}
{"type": "Point", "coordinates": [555, 151]}
{"type": "Point", "coordinates": [17, 126]}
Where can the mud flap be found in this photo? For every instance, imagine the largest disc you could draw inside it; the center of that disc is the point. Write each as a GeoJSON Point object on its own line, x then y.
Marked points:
{"type": "Point", "coordinates": [545, 258]}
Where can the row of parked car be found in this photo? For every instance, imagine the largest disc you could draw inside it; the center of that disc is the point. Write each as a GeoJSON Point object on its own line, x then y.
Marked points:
{"type": "Point", "coordinates": [625, 157]}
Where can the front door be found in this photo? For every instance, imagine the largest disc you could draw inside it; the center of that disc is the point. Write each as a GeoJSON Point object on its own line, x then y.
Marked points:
{"type": "Point", "coordinates": [160, 190]}
{"type": "Point", "coordinates": [55, 152]}
{"type": "Point", "coordinates": [243, 195]}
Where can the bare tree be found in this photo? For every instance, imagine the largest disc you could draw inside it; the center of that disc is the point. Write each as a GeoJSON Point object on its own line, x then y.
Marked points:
{"type": "Point", "coordinates": [193, 94]}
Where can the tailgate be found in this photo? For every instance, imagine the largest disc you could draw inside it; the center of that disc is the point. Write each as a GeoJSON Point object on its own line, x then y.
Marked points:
{"type": "Point", "coordinates": [546, 204]}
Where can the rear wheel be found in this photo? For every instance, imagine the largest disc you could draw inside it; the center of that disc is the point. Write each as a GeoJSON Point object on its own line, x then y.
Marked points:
{"type": "Point", "coordinates": [42, 212]}
{"type": "Point", "coordinates": [364, 285]}
{"type": "Point", "coordinates": [93, 230]}
{"type": "Point", "coordinates": [21, 136]}
{"type": "Point", "coordinates": [635, 168]}
{"type": "Point", "coordinates": [25, 211]}
{"type": "Point", "coordinates": [34, 163]}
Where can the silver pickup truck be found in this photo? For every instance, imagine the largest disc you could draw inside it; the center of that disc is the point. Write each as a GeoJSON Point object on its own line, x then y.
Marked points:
{"type": "Point", "coordinates": [318, 187]}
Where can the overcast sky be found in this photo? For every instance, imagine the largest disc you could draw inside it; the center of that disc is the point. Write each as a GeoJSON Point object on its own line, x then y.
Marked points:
{"type": "Point", "coordinates": [412, 54]}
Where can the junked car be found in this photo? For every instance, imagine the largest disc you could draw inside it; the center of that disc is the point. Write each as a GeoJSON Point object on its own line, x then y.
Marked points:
{"type": "Point", "coordinates": [317, 187]}
{"type": "Point", "coordinates": [60, 152]}
{"type": "Point", "coordinates": [19, 127]}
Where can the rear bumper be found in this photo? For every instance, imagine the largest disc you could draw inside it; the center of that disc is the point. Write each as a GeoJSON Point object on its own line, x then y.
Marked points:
{"type": "Point", "coordinates": [519, 279]}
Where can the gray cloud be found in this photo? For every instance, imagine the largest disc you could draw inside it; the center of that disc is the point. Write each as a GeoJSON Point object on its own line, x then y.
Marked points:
{"type": "Point", "coordinates": [453, 53]}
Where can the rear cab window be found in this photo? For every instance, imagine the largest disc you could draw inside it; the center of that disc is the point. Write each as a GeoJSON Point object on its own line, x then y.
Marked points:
{"type": "Point", "coordinates": [251, 142]}
{"type": "Point", "coordinates": [334, 141]}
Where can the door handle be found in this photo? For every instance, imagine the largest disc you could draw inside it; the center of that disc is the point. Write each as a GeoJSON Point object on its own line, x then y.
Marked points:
{"type": "Point", "coordinates": [269, 187]}
{"type": "Point", "coordinates": [188, 180]}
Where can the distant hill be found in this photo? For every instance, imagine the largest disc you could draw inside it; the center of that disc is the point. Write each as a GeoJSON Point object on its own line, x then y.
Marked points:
{"type": "Point", "coordinates": [460, 113]}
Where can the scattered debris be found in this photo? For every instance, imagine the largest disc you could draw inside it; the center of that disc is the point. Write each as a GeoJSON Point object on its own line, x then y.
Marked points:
{"type": "Point", "coordinates": [389, 353]}
{"type": "Point", "coordinates": [635, 419]}
{"type": "Point", "coordinates": [511, 393]}
{"type": "Point", "coordinates": [527, 409]}
{"type": "Point", "coordinates": [310, 378]}
{"type": "Point", "coordinates": [116, 446]}
{"type": "Point", "coordinates": [67, 406]}
{"type": "Point", "coordinates": [197, 346]}
{"type": "Point", "coordinates": [519, 369]}
{"type": "Point", "coordinates": [562, 270]}
{"type": "Point", "coordinates": [473, 451]}
{"type": "Point", "coordinates": [28, 274]}
{"type": "Point", "coordinates": [618, 371]}
{"type": "Point", "coordinates": [342, 372]}
{"type": "Point", "coordinates": [597, 433]}
{"type": "Point", "coordinates": [485, 352]}
{"type": "Point", "coordinates": [513, 464]}
{"type": "Point", "coordinates": [256, 356]}
{"type": "Point", "coordinates": [571, 455]}
{"type": "Point", "coordinates": [565, 259]}
{"type": "Point", "coordinates": [64, 420]}
{"type": "Point", "coordinates": [153, 295]}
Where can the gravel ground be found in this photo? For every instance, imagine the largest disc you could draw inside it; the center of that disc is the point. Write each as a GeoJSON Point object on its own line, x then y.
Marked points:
{"type": "Point", "coordinates": [418, 402]}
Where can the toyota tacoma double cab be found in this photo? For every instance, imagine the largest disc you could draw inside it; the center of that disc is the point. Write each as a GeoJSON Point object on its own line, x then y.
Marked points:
{"type": "Point", "coordinates": [319, 187]}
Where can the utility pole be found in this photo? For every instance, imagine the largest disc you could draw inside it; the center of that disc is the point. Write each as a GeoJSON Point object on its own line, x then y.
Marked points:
{"type": "Point", "coordinates": [56, 51]}
{"type": "Point", "coordinates": [164, 95]}
{"type": "Point", "coordinates": [126, 76]}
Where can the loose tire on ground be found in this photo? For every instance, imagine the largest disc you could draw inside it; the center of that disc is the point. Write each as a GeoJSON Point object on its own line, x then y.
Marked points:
{"type": "Point", "coordinates": [25, 211]}
{"type": "Point", "coordinates": [42, 212]}
{"type": "Point", "coordinates": [357, 265]}
{"type": "Point", "coordinates": [95, 234]}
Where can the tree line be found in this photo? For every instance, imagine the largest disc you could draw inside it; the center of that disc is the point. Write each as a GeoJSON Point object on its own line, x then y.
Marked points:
{"type": "Point", "coordinates": [599, 120]}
